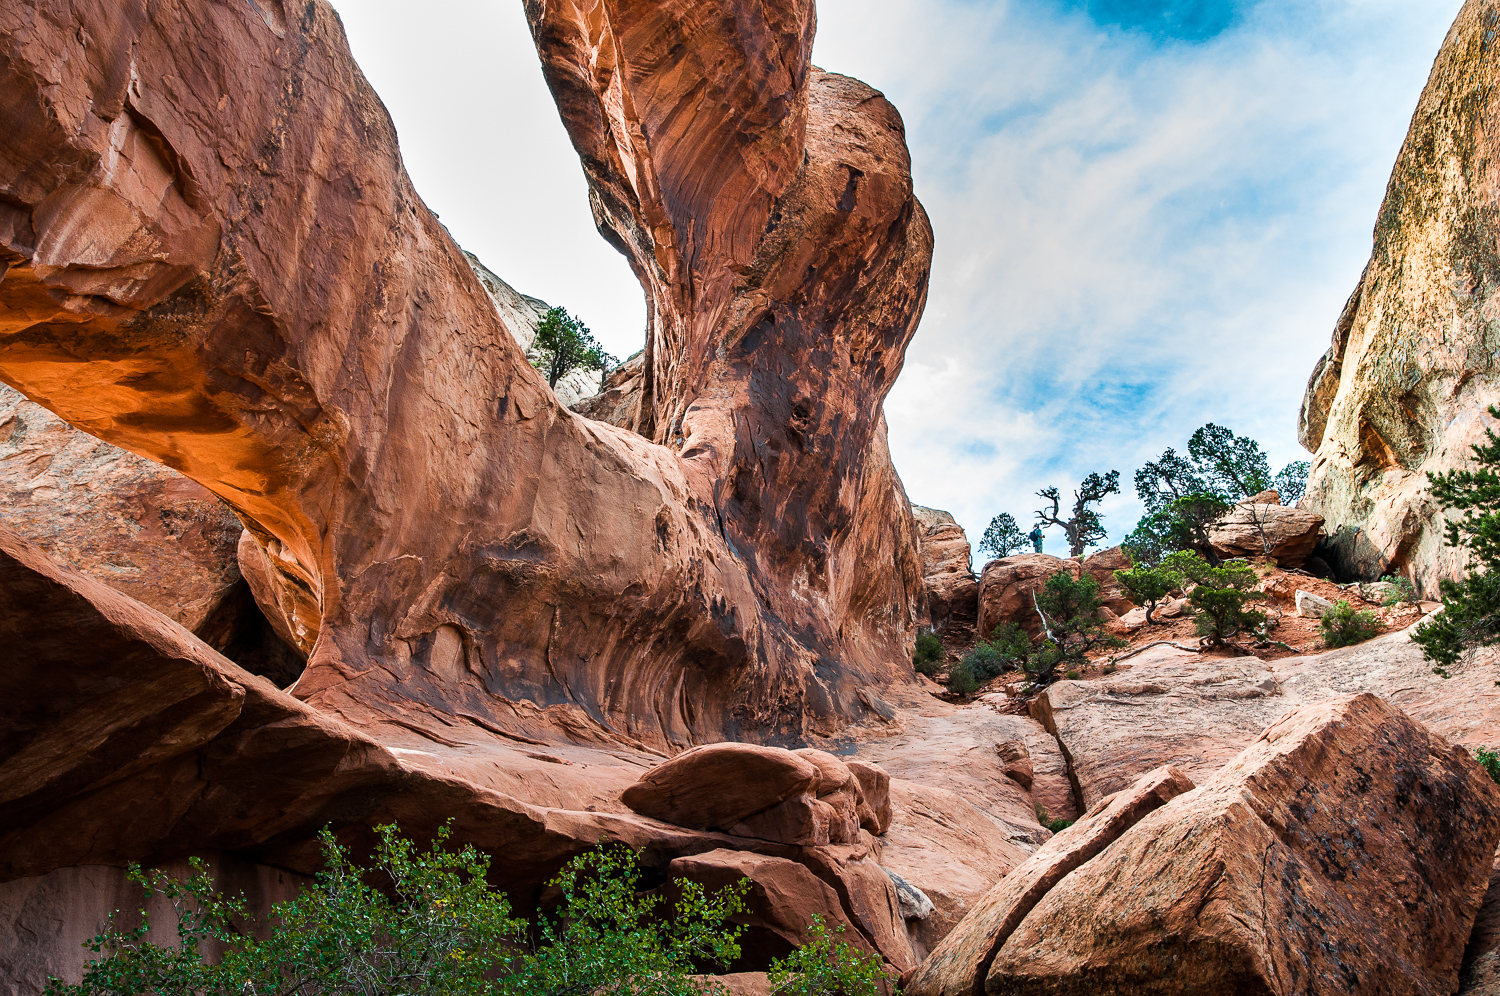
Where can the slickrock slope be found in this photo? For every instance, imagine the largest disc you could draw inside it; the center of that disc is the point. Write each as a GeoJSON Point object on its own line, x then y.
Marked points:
{"type": "Point", "coordinates": [1403, 389]}
{"type": "Point", "coordinates": [212, 256]}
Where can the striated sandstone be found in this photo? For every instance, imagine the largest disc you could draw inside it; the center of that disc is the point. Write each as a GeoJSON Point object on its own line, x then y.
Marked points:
{"type": "Point", "coordinates": [359, 402]}
{"type": "Point", "coordinates": [947, 574]}
{"type": "Point", "coordinates": [1292, 871]}
{"type": "Point", "coordinates": [1403, 388]}
{"type": "Point", "coordinates": [960, 964]}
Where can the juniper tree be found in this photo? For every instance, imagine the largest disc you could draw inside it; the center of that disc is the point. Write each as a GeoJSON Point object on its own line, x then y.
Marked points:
{"type": "Point", "coordinates": [1003, 537]}
{"type": "Point", "coordinates": [1085, 526]}
{"type": "Point", "coordinates": [565, 344]}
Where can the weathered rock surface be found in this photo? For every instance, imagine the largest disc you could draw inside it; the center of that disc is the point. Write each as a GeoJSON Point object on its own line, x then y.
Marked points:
{"type": "Point", "coordinates": [960, 964]}
{"type": "Point", "coordinates": [1261, 526]}
{"type": "Point", "coordinates": [947, 573]}
{"type": "Point", "coordinates": [213, 257]}
{"type": "Point", "coordinates": [1311, 606]}
{"type": "Point", "coordinates": [1196, 712]}
{"type": "Point", "coordinates": [1007, 587]}
{"type": "Point", "coordinates": [1402, 390]}
{"type": "Point", "coordinates": [136, 526]}
{"type": "Point", "coordinates": [717, 786]}
{"type": "Point", "coordinates": [1293, 870]}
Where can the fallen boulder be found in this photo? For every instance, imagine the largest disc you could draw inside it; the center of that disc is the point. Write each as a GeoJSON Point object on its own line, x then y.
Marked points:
{"type": "Point", "coordinates": [720, 785]}
{"type": "Point", "coordinates": [963, 958]}
{"type": "Point", "coordinates": [1308, 864]}
{"type": "Point", "coordinates": [1262, 526]}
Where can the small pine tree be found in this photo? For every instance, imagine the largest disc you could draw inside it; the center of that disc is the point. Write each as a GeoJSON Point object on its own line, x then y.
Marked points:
{"type": "Point", "coordinates": [1070, 610]}
{"type": "Point", "coordinates": [1148, 585]}
{"type": "Point", "coordinates": [1220, 595]}
{"type": "Point", "coordinates": [565, 344]}
{"type": "Point", "coordinates": [1471, 607]}
{"type": "Point", "coordinates": [1003, 537]}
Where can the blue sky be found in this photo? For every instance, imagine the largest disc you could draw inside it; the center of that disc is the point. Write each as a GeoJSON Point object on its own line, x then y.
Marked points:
{"type": "Point", "coordinates": [1148, 215]}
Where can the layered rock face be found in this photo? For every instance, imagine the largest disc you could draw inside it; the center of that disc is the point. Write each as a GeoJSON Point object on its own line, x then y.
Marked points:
{"type": "Point", "coordinates": [952, 588]}
{"type": "Point", "coordinates": [137, 526]}
{"type": "Point", "coordinates": [1403, 389]}
{"type": "Point", "coordinates": [212, 257]}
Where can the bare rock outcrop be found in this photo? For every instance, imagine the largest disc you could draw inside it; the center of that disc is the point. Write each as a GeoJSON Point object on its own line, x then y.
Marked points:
{"type": "Point", "coordinates": [138, 527]}
{"type": "Point", "coordinates": [947, 574]}
{"type": "Point", "coordinates": [1261, 526]}
{"type": "Point", "coordinates": [1291, 865]}
{"type": "Point", "coordinates": [212, 257]}
{"type": "Point", "coordinates": [1402, 390]}
{"type": "Point", "coordinates": [1008, 586]}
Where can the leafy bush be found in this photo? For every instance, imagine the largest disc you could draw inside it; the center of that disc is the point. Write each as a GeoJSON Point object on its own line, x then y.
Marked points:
{"type": "Point", "coordinates": [929, 654]}
{"type": "Point", "coordinates": [825, 967]}
{"type": "Point", "coordinates": [1344, 627]}
{"type": "Point", "coordinates": [1070, 610]}
{"type": "Point", "coordinates": [1148, 585]}
{"type": "Point", "coordinates": [1220, 596]}
{"type": "Point", "coordinates": [1489, 760]}
{"type": "Point", "coordinates": [1402, 594]}
{"type": "Point", "coordinates": [1003, 537]}
{"type": "Point", "coordinates": [961, 679]}
{"type": "Point", "coordinates": [437, 929]}
{"type": "Point", "coordinates": [1006, 650]}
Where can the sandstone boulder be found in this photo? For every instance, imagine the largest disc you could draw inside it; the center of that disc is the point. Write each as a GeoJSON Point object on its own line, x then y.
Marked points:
{"type": "Point", "coordinates": [1310, 606]}
{"type": "Point", "coordinates": [1102, 565]}
{"type": "Point", "coordinates": [1404, 386]}
{"type": "Point", "coordinates": [720, 785]}
{"type": "Point", "coordinates": [952, 588]}
{"type": "Point", "coordinates": [874, 796]}
{"type": "Point", "coordinates": [1306, 865]}
{"type": "Point", "coordinates": [959, 965]}
{"type": "Point", "coordinates": [1007, 587]}
{"type": "Point", "coordinates": [1261, 526]}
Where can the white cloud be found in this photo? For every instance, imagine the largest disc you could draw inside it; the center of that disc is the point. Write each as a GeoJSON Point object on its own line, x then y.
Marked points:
{"type": "Point", "coordinates": [1132, 239]}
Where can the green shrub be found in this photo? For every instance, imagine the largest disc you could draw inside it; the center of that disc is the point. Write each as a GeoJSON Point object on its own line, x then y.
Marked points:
{"type": "Point", "coordinates": [961, 679]}
{"type": "Point", "coordinates": [826, 967]}
{"type": "Point", "coordinates": [928, 658]}
{"type": "Point", "coordinates": [1148, 585]}
{"type": "Point", "coordinates": [1220, 597]}
{"type": "Point", "coordinates": [1070, 611]}
{"type": "Point", "coordinates": [1490, 761]}
{"type": "Point", "coordinates": [1056, 826]}
{"type": "Point", "coordinates": [436, 928]}
{"type": "Point", "coordinates": [1404, 591]}
{"type": "Point", "coordinates": [1344, 627]}
{"type": "Point", "coordinates": [565, 344]}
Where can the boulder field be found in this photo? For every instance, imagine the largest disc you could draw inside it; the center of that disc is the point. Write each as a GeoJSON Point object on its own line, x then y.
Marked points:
{"type": "Point", "coordinates": [294, 536]}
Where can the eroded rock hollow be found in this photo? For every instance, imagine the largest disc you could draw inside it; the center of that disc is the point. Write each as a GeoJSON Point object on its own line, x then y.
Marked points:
{"type": "Point", "coordinates": [212, 256]}
{"type": "Point", "coordinates": [1402, 390]}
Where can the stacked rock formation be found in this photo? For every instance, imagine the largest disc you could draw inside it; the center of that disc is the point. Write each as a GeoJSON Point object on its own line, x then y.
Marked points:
{"type": "Point", "coordinates": [1404, 387]}
{"type": "Point", "coordinates": [947, 573]}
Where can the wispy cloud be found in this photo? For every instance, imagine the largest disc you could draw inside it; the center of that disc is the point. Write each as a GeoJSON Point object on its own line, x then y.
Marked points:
{"type": "Point", "coordinates": [1148, 214]}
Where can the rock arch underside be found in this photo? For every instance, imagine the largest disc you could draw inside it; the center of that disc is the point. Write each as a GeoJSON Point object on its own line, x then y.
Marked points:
{"type": "Point", "coordinates": [213, 257]}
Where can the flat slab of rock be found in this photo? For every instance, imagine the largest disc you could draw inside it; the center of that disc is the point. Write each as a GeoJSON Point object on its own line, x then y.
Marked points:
{"type": "Point", "coordinates": [1308, 864]}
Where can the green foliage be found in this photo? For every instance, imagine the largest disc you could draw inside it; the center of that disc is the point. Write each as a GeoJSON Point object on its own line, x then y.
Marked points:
{"type": "Point", "coordinates": [928, 658]}
{"type": "Point", "coordinates": [1185, 495]}
{"type": "Point", "coordinates": [961, 679]}
{"type": "Point", "coordinates": [1471, 606]}
{"type": "Point", "coordinates": [1148, 585]}
{"type": "Point", "coordinates": [565, 344]}
{"type": "Point", "coordinates": [1056, 826]}
{"type": "Point", "coordinates": [1220, 595]}
{"type": "Point", "coordinates": [1489, 759]}
{"type": "Point", "coordinates": [826, 966]}
{"type": "Point", "coordinates": [1003, 537]}
{"type": "Point", "coordinates": [1070, 613]}
{"type": "Point", "coordinates": [1086, 526]}
{"type": "Point", "coordinates": [1344, 627]}
{"type": "Point", "coordinates": [1404, 591]}
{"type": "Point", "coordinates": [436, 929]}
{"type": "Point", "coordinates": [1291, 483]}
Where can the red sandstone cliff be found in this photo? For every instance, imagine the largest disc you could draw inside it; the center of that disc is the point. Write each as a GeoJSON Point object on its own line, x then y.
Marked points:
{"type": "Point", "coordinates": [212, 256]}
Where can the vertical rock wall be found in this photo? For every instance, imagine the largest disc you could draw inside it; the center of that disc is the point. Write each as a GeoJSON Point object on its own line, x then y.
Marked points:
{"type": "Point", "coordinates": [1403, 389]}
